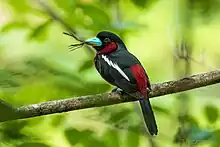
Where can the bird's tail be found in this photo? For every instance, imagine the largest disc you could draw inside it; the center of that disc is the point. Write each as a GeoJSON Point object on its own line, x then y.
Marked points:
{"type": "Point", "coordinates": [148, 116]}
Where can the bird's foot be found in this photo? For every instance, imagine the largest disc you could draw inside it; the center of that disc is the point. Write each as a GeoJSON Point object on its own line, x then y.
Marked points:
{"type": "Point", "coordinates": [118, 91]}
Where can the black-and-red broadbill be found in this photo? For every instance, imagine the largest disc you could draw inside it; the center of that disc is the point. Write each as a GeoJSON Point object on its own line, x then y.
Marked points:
{"type": "Point", "coordinates": [122, 69]}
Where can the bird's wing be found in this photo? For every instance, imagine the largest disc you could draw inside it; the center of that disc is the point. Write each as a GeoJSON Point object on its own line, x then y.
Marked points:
{"type": "Point", "coordinates": [115, 74]}
{"type": "Point", "coordinates": [141, 78]}
{"type": "Point", "coordinates": [103, 69]}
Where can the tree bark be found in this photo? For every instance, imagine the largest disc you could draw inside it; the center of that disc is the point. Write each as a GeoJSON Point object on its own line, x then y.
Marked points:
{"type": "Point", "coordinates": [98, 100]}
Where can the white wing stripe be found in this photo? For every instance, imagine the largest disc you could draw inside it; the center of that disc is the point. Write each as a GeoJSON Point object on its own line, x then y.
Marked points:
{"type": "Point", "coordinates": [115, 66]}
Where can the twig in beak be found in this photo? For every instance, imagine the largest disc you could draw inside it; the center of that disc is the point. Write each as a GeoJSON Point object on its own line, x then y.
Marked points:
{"type": "Point", "coordinates": [74, 36]}
{"type": "Point", "coordinates": [73, 47]}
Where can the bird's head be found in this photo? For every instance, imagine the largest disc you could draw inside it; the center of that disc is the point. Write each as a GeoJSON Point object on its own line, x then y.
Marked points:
{"type": "Point", "coordinates": [106, 42]}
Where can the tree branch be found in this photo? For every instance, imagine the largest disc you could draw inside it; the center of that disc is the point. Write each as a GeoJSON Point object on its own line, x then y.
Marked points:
{"type": "Point", "coordinates": [64, 105]}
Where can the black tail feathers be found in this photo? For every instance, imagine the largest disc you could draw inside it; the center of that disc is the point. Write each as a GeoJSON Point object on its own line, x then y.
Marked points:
{"type": "Point", "coordinates": [148, 116]}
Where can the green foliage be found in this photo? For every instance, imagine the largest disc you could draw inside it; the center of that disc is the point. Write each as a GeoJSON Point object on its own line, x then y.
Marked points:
{"type": "Point", "coordinates": [161, 110]}
{"type": "Point", "coordinates": [48, 72]}
{"type": "Point", "coordinates": [7, 112]}
{"type": "Point", "coordinates": [143, 3]}
{"type": "Point", "coordinates": [132, 139]}
{"type": "Point", "coordinates": [74, 136]}
{"type": "Point", "coordinates": [211, 113]}
{"type": "Point", "coordinates": [204, 8]}
{"type": "Point", "coordinates": [20, 7]}
{"type": "Point", "coordinates": [12, 131]}
{"type": "Point", "coordinates": [111, 138]}
{"type": "Point", "coordinates": [33, 144]}
{"type": "Point", "coordinates": [86, 65]}
{"type": "Point", "coordinates": [67, 5]}
{"type": "Point", "coordinates": [14, 25]}
{"type": "Point", "coordinates": [100, 18]}
{"type": "Point", "coordinates": [85, 137]}
{"type": "Point", "coordinates": [40, 31]}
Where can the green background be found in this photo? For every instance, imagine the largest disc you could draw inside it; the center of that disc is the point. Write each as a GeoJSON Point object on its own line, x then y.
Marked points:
{"type": "Point", "coordinates": [172, 39]}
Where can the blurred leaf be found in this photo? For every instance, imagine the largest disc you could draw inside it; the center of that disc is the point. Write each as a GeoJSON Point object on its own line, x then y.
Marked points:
{"type": "Point", "coordinates": [94, 140]}
{"type": "Point", "coordinates": [14, 25]}
{"type": "Point", "coordinates": [111, 138]}
{"type": "Point", "coordinates": [40, 64]}
{"type": "Point", "coordinates": [33, 144]}
{"type": "Point", "coordinates": [7, 79]}
{"type": "Point", "coordinates": [188, 119]}
{"type": "Point", "coordinates": [12, 130]}
{"type": "Point", "coordinates": [118, 116]}
{"type": "Point", "coordinates": [100, 18]}
{"type": "Point", "coordinates": [21, 6]}
{"type": "Point", "coordinates": [161, 110]}
{"type": "Point", "coordinates": [85, 137]}
{"type": "Point", "coordinates": [211, 113]}
{"type": "Point", "coordinates": [182, 135]}
{"type": "Point", "coordinates": [73, 136]}
{"type": "Point", "coordinates": [66, 5]}
{"type": "Point", "coordinates": [7, 112]}
{"type": "Point", "coordinates": [143, 3]}
{"type": "Point", "coordinates": [40, 31]}
{"type": "Point", "coordinates": [97, 87]}
{"type": "Point", "coordinates": [139, 3]}
{"type": "Point", "coordinates": [108, 2]}
{"type": "Point", "coordinates": [215, 138]}
{"type": "Point", "coordinates": [132, 139]}
{"type": "Point", "coordinates": [86, 65]}
{"type": "Point", "coordinates": [204, 8]}
{"type": "Point", "coordinates": [58, 120]}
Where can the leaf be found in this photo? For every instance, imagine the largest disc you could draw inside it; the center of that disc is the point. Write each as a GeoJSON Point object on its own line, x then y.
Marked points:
{"type": "Point", "coordinates": [14, 25]}
{"type": "Point", "coordinates": [97, 87]}
{"type": "Point", "coordinates": [188, 119]}
{"type": "Point", "coordinates": [84, 137]}
{"type": "Point", "coordinates": [143, 3]}
{"type": "Point", "coordinates": [58, 120]}
{"type": "Point", "coordinates": [40, 31]}
{"type": "Point", "coordinates": [7, 79]}
{"type": "Point", "coordinates": [94, 140]}
{"type": "Point", "coordinates": [7, 112]}
{"type": "Point", "coordinates": [132, 139]}
{"type": "Point", "coordinates": [33, 144]}
{"type": "Point", "coordinates": [161, 110]}
{"type": "Point", "coordinates": [215, 138]}
{"type": "Point", "coordinates": [139, 3]}
{"type": "Point", "coordinates": [21, 6]}
{"type": "Point", "coordinates": [73, 136]}
{"type": "Point", "coordinates": [211, 113]}
{"type": "Point", "coordinates": [12, 130]}
{"type": "Point", "coordinates": [100, 18]}
{"type": "Point", "coordinates": [182, 135]}
{"type": "Point", "coordinates": [111, 138]}
{"type": "Point", "coordinates": [86, 65]}
{"type": "Point", "coordinates": [205, 8]}
{"type": "Point", "coordinates": [118, 116]}
{"type": "Point", "coordinates": [66, 5]}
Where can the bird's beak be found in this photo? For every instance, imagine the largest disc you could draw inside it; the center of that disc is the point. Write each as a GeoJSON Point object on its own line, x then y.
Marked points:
{"type": "Point", "coordinates": [94, 41]}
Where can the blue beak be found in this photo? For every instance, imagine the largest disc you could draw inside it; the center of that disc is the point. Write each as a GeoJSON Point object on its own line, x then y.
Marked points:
{"type": "Point", "coordinates": [94, 41]}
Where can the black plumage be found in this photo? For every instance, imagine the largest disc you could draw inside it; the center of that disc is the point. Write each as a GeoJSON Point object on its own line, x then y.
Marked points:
{"type": "Point", "coordinates": [122, 69]}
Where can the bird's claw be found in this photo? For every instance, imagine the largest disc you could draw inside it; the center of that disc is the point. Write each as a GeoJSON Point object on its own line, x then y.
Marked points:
{"type": "Point", "coordinates": [118, 91]}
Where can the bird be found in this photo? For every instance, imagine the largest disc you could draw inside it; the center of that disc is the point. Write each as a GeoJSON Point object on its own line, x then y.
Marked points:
{"type": "Point", "coordinates": [122, 69]}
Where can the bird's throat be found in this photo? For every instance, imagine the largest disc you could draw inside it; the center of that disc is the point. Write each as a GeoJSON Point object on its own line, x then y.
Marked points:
{"type": "Point", "coordinates": [111, 47]}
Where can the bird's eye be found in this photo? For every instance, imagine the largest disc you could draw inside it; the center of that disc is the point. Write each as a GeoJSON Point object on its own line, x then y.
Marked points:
{"type": "Point", "coordinates": [107, 40]}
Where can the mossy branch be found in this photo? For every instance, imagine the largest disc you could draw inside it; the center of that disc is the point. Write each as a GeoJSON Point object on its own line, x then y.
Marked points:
{"type": "Point", "coordinates": [89, 101]}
